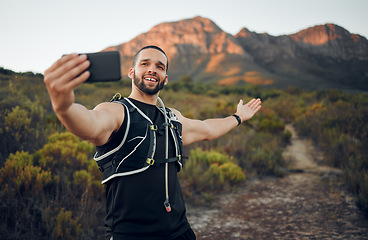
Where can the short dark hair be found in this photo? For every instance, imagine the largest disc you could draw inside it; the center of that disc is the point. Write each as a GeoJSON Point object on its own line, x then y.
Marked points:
{"type": "Point", "coordinates": [154, 47]}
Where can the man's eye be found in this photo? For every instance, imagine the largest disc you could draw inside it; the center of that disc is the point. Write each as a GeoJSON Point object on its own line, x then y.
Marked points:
{"type": "Point", "coordinates": [161, 67]}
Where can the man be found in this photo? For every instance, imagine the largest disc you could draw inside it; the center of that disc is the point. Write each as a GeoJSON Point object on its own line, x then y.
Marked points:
{"type": "Point", "coordinates": [143, 201]}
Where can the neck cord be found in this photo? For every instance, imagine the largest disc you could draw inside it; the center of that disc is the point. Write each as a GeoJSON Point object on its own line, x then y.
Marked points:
{"type": "Point", "coordinates": [166, 203]}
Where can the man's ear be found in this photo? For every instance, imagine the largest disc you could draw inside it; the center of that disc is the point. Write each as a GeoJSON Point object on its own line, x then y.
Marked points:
{"type": "Point", "coordinates": [131, 73]}
{"type": "Point", "coordinates": [166, 80]}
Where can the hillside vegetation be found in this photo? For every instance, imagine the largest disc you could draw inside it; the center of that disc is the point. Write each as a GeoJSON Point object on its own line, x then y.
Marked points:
{"type": "Point", "coordinates": [50, 186]}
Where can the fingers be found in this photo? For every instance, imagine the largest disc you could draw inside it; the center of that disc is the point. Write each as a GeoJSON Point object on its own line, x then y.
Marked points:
{"type": "Point", "coordinates": [59, 62]}
{"type": "Point", "coordinates": [240, 102]}
{"type": "Point", "coordinates": [254, 103]}
{"type": "Point", "coordinates": [257, 108]}
{"type": "Point", "coordinates": [68, 71]}
{"type": "Point", "coordinates": [72, 66]}
{"type": "Point", "coordinates": [78, 80]}
{"type": "Point", "coordinates": [250, 102]}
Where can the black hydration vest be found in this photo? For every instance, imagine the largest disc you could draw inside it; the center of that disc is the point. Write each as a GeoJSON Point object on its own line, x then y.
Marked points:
{"type": "Point", "coordinates": [135, 152]}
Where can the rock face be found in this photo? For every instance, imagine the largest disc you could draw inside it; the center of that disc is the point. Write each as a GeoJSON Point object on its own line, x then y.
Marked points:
{"type": "Point", "coordinates": [195, 47]}
{"type": "Point", "coordinates": [332, 41]}
{"type": "Point", "coordinates": [325, 55]}
{"type": "Point", "coordinates": [318, 57]}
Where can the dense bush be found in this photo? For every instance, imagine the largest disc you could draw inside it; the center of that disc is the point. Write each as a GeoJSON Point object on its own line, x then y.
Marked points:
{"type": "Point", "coordinates": [22, 188]}
{"type": "Point", "coordinates": [209, 171]}
{"type": "Point", "coordinates": [53, 193]}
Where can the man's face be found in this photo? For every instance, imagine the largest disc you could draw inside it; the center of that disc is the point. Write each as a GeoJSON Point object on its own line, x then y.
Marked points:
{"type": "Point", "coordinates": [149, 72]}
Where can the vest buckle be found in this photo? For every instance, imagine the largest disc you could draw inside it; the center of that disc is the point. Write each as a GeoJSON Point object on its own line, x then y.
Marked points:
{"type": "Point", "coordinates": [150, 161]}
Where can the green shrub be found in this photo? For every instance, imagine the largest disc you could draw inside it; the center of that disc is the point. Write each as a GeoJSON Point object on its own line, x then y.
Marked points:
{"type": "Point", "coordinates": [209, 171]}
{"type": "Point", "coordinates": [66, 227]}
{"type": "Point", "coordinates": [22, 187]}
{"type": "Point", "coordinates": [286, 137]}
{"type": "Point", "coordinates": [20, 176]}
{"type": "Point", "coordinates": [269, 121]}
{"type": "Point", "coordinates": [267, 162]}
{"type": "Point", "coordinates": [65, 153]}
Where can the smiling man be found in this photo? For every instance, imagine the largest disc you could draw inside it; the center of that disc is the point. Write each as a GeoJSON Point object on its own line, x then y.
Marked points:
{"type": "Point", "coordinates": [139, 146]}
{"type": "Point", "coordinates": [149, 78]}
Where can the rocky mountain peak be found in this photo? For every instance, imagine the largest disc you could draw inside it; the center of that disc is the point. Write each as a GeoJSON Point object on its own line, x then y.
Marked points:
{"type": "Point", "coordinates": [188, 26]}
{"type": "Point", "coordinates": [193, 36]}
{"type": "Point", "coordinates": [320, 34]}
{"type": "Point", "coordinates": [197, 47]}
{"type": "Point", "coordinates": [333, 41]}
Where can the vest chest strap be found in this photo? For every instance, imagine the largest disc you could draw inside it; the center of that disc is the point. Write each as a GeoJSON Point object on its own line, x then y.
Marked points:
{"type": "Point", "coordinates": [158, 162]}
{"type": "Point", "coordinates": [105, 166]}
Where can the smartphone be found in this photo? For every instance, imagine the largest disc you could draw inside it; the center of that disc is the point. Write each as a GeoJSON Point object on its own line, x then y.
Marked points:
{"type": "Point", "coordinates": [105, 66]}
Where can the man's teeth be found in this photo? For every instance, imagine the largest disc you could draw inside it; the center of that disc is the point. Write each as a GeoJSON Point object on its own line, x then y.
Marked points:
{"type": "Point", "coordinates": [151, 79]}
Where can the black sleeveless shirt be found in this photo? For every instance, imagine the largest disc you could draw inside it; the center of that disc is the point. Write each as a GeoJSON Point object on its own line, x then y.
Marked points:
{"type": "Point", "coordinates": [135, 203]}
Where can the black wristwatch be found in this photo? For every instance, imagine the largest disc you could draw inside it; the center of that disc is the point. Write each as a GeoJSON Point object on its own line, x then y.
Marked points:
{"type": "Point", "coordinates": [237, 118]}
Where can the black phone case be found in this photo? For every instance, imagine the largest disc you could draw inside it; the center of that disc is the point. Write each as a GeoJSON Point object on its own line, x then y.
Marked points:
{"type": "Point", "coordinates": [105, 66]}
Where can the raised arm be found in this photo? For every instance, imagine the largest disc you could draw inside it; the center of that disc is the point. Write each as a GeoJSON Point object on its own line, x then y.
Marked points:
{"type": "Point", "coordinates": [94, 125]}
{"type": "Point", "coordinates": [197, 130]}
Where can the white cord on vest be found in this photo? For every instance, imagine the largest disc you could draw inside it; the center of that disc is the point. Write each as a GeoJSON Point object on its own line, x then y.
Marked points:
{"type": "Point", "coordinates": [166, 203]}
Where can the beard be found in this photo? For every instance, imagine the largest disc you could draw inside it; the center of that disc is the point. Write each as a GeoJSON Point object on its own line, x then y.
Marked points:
{"type": "Point", "coordinates": [139, 82]}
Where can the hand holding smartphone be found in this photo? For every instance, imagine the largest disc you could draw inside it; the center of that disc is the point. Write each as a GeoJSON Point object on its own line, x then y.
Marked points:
{"type": "Point", "coordinates": [104, 67]}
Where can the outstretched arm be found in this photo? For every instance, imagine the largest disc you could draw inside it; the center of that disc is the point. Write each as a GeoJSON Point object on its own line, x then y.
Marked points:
{"type": "Point", "coordinates": [197, 130]}
{"type": "Point", "coordinates": [94, 125]}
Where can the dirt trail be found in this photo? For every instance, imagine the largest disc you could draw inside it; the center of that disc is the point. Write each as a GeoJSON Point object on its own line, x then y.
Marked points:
{"type": "Point", "coordinates": [310, 203]}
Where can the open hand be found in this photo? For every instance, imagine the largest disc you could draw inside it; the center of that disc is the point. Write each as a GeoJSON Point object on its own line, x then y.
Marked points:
{"type": "Point", "coordinates": [247, 111]}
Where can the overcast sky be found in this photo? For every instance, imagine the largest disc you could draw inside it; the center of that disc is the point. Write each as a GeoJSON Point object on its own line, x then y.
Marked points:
{"type": "Point", "coordinates": [36, 33]}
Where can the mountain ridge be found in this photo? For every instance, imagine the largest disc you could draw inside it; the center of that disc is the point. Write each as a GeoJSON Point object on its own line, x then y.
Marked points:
{"type": "Point", "coordinates": [322, 56]}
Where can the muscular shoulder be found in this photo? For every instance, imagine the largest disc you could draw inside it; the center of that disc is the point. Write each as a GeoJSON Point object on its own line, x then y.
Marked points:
{"type": "Point", "coordinates": [114, 108]}
{"type": "Point", "coordinates": [180, 117]}
{"type": "Point", "coordinates": [111, 116]}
